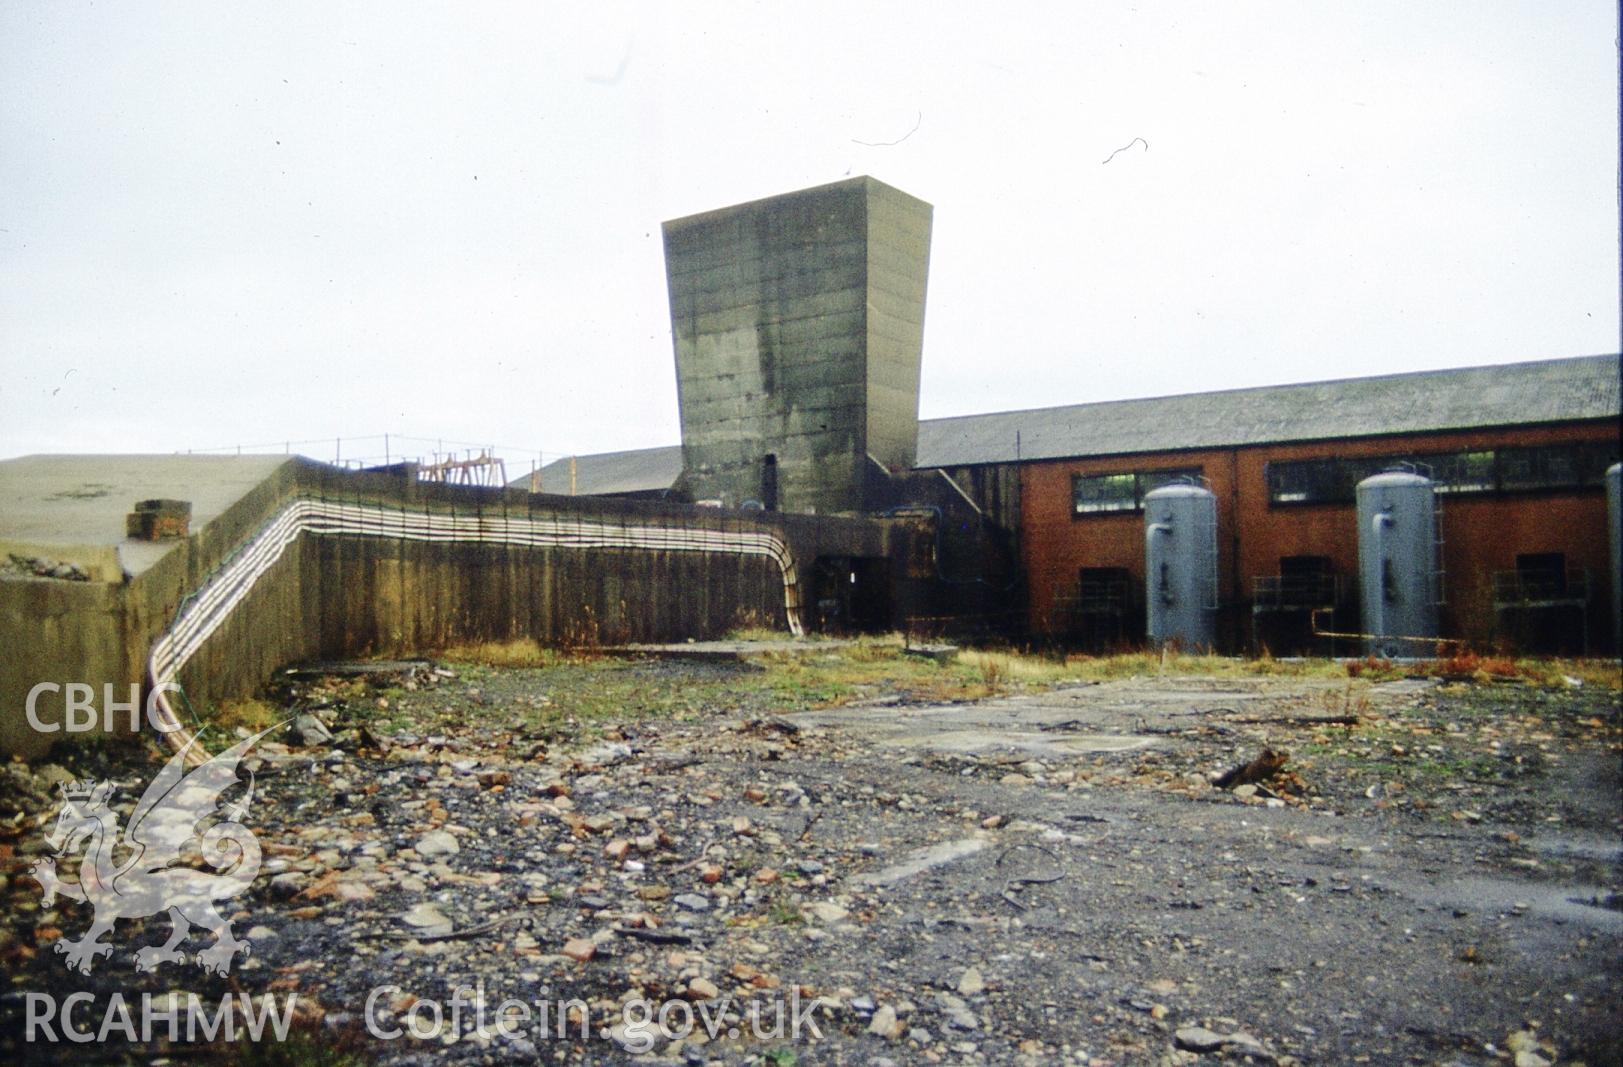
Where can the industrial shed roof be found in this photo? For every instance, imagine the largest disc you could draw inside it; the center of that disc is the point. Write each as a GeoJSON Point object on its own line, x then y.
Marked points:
{"type": "Point", "coordinates": [639, 470]}
{"type": "Point", "coordinates": [1515, 394]}
{"type": "Point", "coordinates": [1511, 394]}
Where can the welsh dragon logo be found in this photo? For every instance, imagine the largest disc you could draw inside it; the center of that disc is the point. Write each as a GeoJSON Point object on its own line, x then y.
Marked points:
{"type": "Point", "coordinates": [149, 869]}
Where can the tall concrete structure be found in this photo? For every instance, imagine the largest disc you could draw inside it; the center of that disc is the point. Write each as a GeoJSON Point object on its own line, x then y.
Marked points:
{"type": "Point", "coordinates": [799, 327]}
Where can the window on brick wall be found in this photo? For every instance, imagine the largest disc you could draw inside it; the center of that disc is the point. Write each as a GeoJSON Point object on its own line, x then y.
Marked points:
{"type": "Point", "coordinates": [1539, 468]}
{"type": "Point", "coordinates": [1462, 472]}
{"type": "Point", "coordinates": [1334, 480]}
{"type": "Point", "coordinates": [1096, 494]}
{"type": "Point", "coordinates": [1308, 481]}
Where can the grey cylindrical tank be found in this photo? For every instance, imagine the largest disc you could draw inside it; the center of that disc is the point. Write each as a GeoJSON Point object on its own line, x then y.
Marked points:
{"type": "Point", "coordinates": [1180, 565]}
{"type": "Point", "coordinates": [1614, 520]}
{"type": "Point", "coordinates": [1397, 561]}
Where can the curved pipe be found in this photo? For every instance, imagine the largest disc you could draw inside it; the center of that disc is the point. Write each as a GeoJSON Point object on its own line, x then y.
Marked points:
{"type": "Point", "coordinates": [207, 609]}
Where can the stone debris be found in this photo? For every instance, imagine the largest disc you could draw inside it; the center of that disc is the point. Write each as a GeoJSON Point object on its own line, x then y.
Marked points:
{"type": "Point", "coordinates": [437, 843]}
{"type": "Point", "coordinates": [884, 1023]}
{"type": "Point", "coordinates": [825, 911]}
{"type": "Point", "coordinates": [923, 860]}
{"type": "Point", "coordinates": [1198, 1039]}
{"type": "Point", "coordinates": [730, 861]}
{"type": "Point", "coordinates": [1237, 1043]}
{"type": "Point", "coordinates": [43, 567]}
{"type": "Point", "coordinates": [427, 919]}
{"type": "Point", "coordinates": [956, 1012]}
{"type": "Point", "coordinates": [1528, 1050]}
{"type": "Point", "coordinates": [288, 884]}
{"type": "Point", "coordinates": [309, 731]}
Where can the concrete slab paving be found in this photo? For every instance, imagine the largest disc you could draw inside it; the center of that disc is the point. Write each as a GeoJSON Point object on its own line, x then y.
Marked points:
{"type": "Point", "coordinates": [1110, 716]}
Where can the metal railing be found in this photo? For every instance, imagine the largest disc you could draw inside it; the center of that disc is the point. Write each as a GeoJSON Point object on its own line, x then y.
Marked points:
{"type": "Point", "coordinates": [1295, 591]}
{"type": "Point", "coordinates": [1570, 586]}
{"type": "Point", "coordinates": [1106, 596]}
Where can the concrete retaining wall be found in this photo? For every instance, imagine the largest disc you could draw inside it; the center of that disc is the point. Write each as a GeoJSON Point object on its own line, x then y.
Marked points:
{"type": "Point", "coordinates": [343, 594]}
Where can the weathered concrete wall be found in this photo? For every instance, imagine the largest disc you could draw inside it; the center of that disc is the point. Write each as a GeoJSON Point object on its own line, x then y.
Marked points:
{"type": "Point", "coordinates": [99, 633]}
{"type": "Point", "coordinates": [270, 628]}
{"type": "Point", "coordinates": [898, 275]}
{"type": "Point", "coordinates": [57, 632]}
{"type": "Point", "coordinates": [332, 595]}
{"type": "Point", "coordinates": [798, 325]}
{"type": "Point", "coordinates": [995, 489]}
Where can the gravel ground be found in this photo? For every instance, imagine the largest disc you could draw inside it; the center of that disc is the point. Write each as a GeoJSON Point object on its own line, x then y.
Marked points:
{"type": "Point", "coordinates": [1431, 877]}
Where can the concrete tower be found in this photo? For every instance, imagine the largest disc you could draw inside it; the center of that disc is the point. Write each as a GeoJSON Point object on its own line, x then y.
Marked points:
{"type": "Point", "coordinates": [799, 327]}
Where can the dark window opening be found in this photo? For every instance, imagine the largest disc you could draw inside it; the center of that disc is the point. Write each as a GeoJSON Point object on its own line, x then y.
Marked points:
{"type": "Point", "coordinates": [1543, 605]}
{"type": "Point", "coordinates": [1307, 581]}
{"type": "Point", "coordinates": [1104, 614]}
{"type": "Point", "coordinates": [1103, 590]}
{"type": "Point", "coordinates": [851, 595]}
{"type": "Point", "coordinates": [1542, 468]}
{"type": "Point", "coordinates": [1303, 582]}
{"type": "Point", "coordinates": [769, 482]}
{"type": "Point", "coordinates": [1095, 494]}
{"type": "Point", "coordinates": [1543, 575]}
{"type": "Point", "coordinates": [1287, 608]}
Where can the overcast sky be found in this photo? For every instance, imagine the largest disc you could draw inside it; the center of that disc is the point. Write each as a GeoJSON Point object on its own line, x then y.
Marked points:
{"type": "Point", "coordinates": [243, 223]}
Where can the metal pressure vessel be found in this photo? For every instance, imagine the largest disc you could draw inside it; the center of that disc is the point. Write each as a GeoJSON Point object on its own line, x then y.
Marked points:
{"type": "Point", "coordinates": [1397, 562]}
{"type": "Point", "coordinates": [1180, 566]}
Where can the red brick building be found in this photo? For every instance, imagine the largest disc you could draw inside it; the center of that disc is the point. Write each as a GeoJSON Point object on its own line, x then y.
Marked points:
{"type": "Point", "coordinates": [1518, 453]}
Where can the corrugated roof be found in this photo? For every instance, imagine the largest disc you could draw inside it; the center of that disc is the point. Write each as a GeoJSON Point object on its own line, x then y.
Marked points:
{"type": "Point", "coordinates": [1508, 394]}
{"type": "Point", "coordinates": [1558, 390]}
{"type": "Point", "coordinates": [639, 470]}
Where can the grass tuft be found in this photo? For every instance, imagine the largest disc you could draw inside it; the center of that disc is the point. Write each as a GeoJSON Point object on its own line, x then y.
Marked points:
{"type": "Point", "coordinates": [577, 695]}
{"type": "Point", "coordinates": [521, 652]}
{"type": "Point", "coordinates": [757, 633]}
{"type": "Point", "coordinates": [250, 714]}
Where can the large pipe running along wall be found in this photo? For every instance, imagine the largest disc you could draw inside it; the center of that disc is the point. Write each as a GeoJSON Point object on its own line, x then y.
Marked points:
{"type": "Point", "coordinates": [203, 612]}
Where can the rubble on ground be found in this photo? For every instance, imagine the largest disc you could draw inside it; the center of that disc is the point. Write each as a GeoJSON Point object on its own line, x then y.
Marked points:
{"type": "Point", "coordinates": [920, 906]}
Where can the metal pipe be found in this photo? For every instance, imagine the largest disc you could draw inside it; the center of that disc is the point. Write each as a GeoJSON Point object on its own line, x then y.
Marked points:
{"type": "Point", "coordinates": [204, 610]}
{"type": "Point", "coordinates": [1313, 627]}
{"type": "Point", "coordinates": [1379, 524]}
